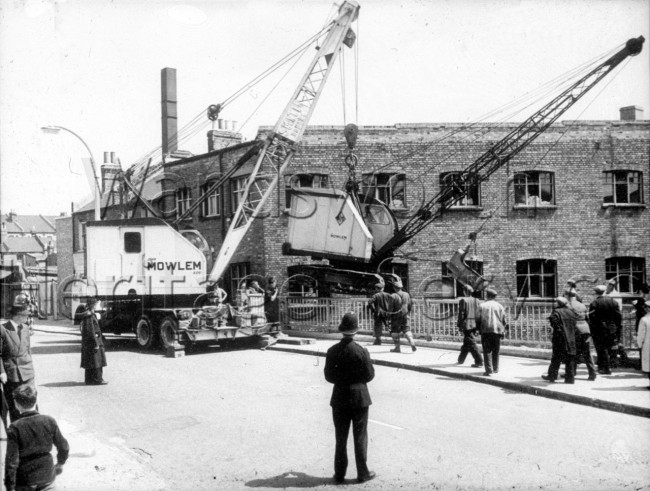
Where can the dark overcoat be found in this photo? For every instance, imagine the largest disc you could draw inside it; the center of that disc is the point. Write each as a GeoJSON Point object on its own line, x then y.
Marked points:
{"type": "Point", "coordinates": [16, 352]}
{"type": "Point", "coordinates": [91, 338]}
{"type": "Point", "coordinates": [563, 321]}
{"type": "Point", "coordinates": [348, 366]}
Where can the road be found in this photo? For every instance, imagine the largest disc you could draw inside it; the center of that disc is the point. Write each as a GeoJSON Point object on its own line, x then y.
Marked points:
{"type": "Point", "coordinates": [261, 419]}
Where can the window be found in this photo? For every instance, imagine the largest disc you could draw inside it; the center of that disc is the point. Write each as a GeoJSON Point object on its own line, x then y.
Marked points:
{"type": "Point", "coordinates": [238, 271]}
{"type": "Point", "coordinates": [237, 188]}
{"type": "Point", "coordinates": [452, 288]}
{"type": "Point", "coordinates": [629, 273]}
{"type": "Point", "coordinates": [388, 188]}
{"type": "Point", "coordinates": [465, 186]}
{"type": "Point", "coordinates": [183, 200]}
{"type": "Point", "coordinates": [212, 203]}
{"type": "Point", "coordinates": [623, 187]}
{"type": "Point", "coordinates": [132, 242]}
{"type": "Point", "coordinates": [303, 181]}
{"type": "Point", "coordinates": [80, 237]}
{"type": "Point", "coordinates": [537, 278]}
{"type": "Point", "coordinates": [534, 189]}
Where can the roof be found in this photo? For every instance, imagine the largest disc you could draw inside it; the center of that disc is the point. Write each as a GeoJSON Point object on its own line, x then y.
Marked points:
{"type": "Point", "coordinates": [31, 224]}
{"type": "Point", "coordinates": [24, 244]}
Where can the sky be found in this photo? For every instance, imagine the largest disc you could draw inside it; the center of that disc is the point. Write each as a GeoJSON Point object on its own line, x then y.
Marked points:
{"type": "Point", "coordinates": [93, 67]}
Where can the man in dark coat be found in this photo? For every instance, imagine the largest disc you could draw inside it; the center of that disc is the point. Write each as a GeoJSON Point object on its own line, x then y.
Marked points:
{"type": "Point", "coordinates": [468, 310]}
{"type": "Point", "coordinates": [93, 356]}
{"type": "Point", "coordinates": [604, 321]}
{"type": "Point", "coordinates": [16, 367]}
{"type": "Point", "coordinates": [563, 321]}
{"type": "Point", "coordinates": [381, 306]}
{"type": "Point", "coordinates": [348, 366]}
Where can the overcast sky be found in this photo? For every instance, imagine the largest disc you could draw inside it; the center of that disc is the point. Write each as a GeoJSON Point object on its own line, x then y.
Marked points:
{"type": "Point", "coordinates": [93, 66]}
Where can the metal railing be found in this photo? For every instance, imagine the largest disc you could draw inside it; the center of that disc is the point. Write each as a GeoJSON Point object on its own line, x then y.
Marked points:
{"type": "Point", "coordinates": [432, 319]}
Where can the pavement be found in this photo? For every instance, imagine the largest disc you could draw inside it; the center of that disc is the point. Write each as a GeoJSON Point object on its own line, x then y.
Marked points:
{"type": "Point", "coordinates": [520, 370]}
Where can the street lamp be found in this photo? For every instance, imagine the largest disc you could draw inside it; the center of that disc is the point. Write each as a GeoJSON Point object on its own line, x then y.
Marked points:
{"type": "Point", "coordinates": [48, 251]}
{"type": "Point", "coordinates": [96, 191]}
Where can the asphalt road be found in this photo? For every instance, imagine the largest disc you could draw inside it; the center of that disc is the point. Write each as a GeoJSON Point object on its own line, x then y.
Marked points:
{"type": "Point", "coordinates": [261, 419]}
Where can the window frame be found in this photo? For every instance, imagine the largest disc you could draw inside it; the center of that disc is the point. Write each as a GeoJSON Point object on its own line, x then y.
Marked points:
{"type": "Point", "coordinates": [235, 277]}
{"type": "Point", "coordinates": [216, 196]}
{"type": "Point", "coordinates": [473, 184]}
{"type": "Point", "coordinates": [237, 188]}
{"type": "Point", "coordinates": [183, 200]}
{"type": "Point", "coordinates": [541, 276]}
{"type": "Point", "coordinates": [537, 201]}
{"type": "Point", "coordinates": [611, 183]}
{"type": "Point", "coordinates": [369, 183]}
{"type": "Point", "coordinates": [613, 269]}
{"type": "Point", "coordinates": [323, 180]}
{"type": "Point", "coordinates": [127, 242]}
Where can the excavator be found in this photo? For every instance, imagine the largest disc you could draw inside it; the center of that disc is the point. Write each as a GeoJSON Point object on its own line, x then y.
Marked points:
{"type": "Point", "coordinates": [357, 234]}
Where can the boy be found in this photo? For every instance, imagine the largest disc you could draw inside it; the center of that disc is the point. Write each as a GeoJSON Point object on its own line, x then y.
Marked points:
{"type": "Point", "coordinates": [29, 464]}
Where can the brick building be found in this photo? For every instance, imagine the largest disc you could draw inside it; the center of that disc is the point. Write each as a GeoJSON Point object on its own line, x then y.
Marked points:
{"type": "Point", "coordinates": [572, 205]}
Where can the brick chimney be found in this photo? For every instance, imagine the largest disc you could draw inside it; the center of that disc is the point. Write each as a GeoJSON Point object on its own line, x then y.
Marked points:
{"type": "Point", "coordinates": [110, 171]}
{"type": "Point", "coordinates": [169, 110]}
{"type": "Point", "coordinates": [631, 113]}
{"type": "Point", "coordinates": [224, 136]}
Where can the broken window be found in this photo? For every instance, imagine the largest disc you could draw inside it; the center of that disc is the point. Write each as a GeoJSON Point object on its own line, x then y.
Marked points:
{"type": "Point", "coordinates": [536, 278]}
{"type": "Point", "coordinates": [462, 188]}
{"type": "Point", "coordinates": [389, 188]}
{"type": "Point", "coordinates": [303, 181]}
{"type": "Point", "coordinates": [629, 273]}
{"type": "Point", "coordinates": [622, 187]}
{"type": "Point", "coordinates": [534, 188]}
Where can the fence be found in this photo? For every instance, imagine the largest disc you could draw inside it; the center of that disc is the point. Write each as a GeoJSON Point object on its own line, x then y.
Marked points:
{"type": "Point", "coordinates": [432, 319]}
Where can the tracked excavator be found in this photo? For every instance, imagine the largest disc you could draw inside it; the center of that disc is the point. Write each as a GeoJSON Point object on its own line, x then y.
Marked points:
{"type": "Point", "coordinates": [357, 234]}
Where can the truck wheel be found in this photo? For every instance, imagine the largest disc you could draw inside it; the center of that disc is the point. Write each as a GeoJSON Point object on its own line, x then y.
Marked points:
{"type": "Point", "coordinates": [144, 333]}
{"type": "Point", "coordinates": [168, 329]}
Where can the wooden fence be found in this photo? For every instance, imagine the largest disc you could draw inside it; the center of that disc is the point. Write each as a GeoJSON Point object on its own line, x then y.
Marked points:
{"type": "Point", "coordinates": [432, 319]}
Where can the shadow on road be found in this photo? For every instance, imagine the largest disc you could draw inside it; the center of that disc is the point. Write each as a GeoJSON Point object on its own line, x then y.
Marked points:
{"type": "Point", "coordinates": [290, 480]}
{"type": "Point", "coordinates": [63, 384]}
{"type": "Point", "coordinates": [55, 350]}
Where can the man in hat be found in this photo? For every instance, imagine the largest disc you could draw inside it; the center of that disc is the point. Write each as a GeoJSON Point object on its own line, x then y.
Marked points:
{"type": "Point", "coordinates": [605, 320]}
{"type": "Point", "coordinates": [468, 309]}
{"type": "Point", "coordinates": [16, 367]}
{"type": "Point", "coordinates": [493, 325]}
{"type": "Point", "coordinates": [399, 322]}
{"type": "Point", "coordinates": [348, 366]}
{"type": "Point", "coordinates": [563, 321]}
{"type": "Point", "coordinates": [381, 306]}
{"type": "Point", "coordinates": [583, 334]}
{"type": "Point", "coordinates": [93, 356]}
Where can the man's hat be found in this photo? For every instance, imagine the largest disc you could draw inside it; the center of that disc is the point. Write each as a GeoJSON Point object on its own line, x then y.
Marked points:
{"type": "Point", "coordinates": [600, 289]}
{"type": "Point", "coordinates": [21, 302]}
{"type": "Point", "coordinates": [491, 292]}
{"type": "Point", "coordinates": [570, 293]}
{"type": "Point", "coordinates": [91, 302]}
{"type": "Point", "coordinates": [379, 286]}
{"type": "Point", "coordinates": [349, 324]}
{"type": "Point", "coordinates": [561, 301]}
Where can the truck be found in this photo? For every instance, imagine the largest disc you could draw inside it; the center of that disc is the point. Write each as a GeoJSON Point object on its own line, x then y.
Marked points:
{"type": "Point", "coordinates": [153, 277]}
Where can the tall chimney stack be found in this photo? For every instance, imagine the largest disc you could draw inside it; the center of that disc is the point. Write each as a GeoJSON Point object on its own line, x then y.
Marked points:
{"type": "Point", "coordinates": [169, 113]}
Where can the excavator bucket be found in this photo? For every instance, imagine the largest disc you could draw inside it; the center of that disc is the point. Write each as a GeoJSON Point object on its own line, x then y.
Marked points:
{"type": "Point", "coordinates": [463, 273]}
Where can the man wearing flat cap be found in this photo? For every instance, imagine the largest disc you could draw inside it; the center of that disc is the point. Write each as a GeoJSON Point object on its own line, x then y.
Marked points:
{"type": "Point", "coordinates": [93, 356]}
{"type": "Point", "coordinates": [381, 306]}
{"type": "Point", "coordinates": [16, 367]}
{"type": "Point", "coordinates": [563, 322]}
{"type": "Point", "coordinates": [348, 366]}
{"type": "Point", "coordinates": [493, 325]}
{"type": "Point", "coordinates": [468, 310]}
{"type": "Point", "coordinates": [604, 320]}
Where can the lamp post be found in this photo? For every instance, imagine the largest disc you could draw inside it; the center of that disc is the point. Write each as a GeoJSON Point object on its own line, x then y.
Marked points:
{"type": "Point", "coordinates": [96, 189]}
{"type": "Point", "coordinates": [48, 251]}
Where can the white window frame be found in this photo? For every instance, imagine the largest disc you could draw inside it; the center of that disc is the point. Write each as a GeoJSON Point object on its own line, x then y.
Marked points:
{"type": "Point", "coordinates": [611, 181]}
{"type": "Point", "coordinates": [533, 178]}
{"type": "Point", "coordinates": [467, 185]}
{"type": "Point", "coordinates": [212, 203]}
{"type": "Point", "coordinates": [380, 186]}
{"type": "Point", "coordinates": [300, 180]}
{"type": "Point", "coordinates": [183, 200]}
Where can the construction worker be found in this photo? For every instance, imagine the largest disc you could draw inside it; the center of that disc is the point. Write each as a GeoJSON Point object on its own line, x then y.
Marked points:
{"type": "Point", "coordinates": [381, 306]}
{"type": "Point", "coordinates": [399, 323]}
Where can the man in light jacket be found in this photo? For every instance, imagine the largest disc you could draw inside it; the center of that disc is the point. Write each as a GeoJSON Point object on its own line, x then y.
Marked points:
{"type": "Point", "coordinates": [493, 325]}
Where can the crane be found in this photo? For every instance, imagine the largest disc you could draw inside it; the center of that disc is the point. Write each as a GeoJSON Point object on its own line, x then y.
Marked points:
{"type": "Point", "coordinates": [280, 143]}
{"type": "Point", "coordinates": [357, 260]}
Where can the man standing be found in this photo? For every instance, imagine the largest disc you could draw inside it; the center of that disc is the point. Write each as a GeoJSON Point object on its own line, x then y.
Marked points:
{"type": "Point", "coordinates": [399, 323]}
{"type": "Point", "coordinates": [93, 356]}
{"type": "Point", "coordinates": [271, 302]}
{"type": "Point", "coordinates": [348, 366]}
{"type": "Point", "coordinates": [468, 309]}
{"type": "Point", "coordinates": [604, 319]}
{"type": "Point", "coordinates": [381, 306]}
{"type": "Point", "coordinates": [563, 321]}
{"type": "Point", "coordinates": [583, 334]}
{"type": "Point", "coordinates": [16, 367]}
{"type": "Point", "coordinates": [29, 463]}
{"type": "Point", "coordinates": [493, 326]}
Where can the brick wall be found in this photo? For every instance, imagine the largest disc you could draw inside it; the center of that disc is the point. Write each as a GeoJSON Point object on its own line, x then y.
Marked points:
{"type": "Point", "coordinates": [578, 232]}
